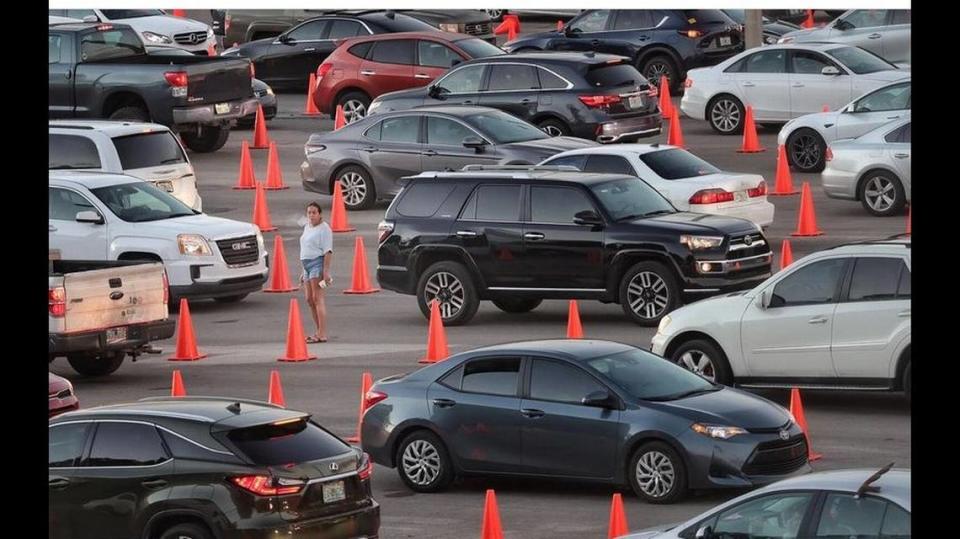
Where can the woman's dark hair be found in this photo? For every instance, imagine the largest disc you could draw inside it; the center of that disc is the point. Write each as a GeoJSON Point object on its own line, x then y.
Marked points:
{"type": "Point", "coordinates": [315, 205]}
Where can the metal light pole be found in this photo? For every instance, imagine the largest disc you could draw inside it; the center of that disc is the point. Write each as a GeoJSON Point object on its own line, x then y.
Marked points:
{"type": "Point", "coordinates": [753, 28]}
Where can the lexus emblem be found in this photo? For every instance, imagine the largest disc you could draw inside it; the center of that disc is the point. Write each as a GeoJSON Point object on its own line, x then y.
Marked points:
{"type": "Point", "coordinates": [784, 435]}
{"type": "Point", "coordinates": [334, 466]}
{"type": "Point", "coordinates": [240, 246]}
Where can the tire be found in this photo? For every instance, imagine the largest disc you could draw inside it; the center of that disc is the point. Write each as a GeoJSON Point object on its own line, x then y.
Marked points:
{"type": "Point", "coordinates": [907, 382]}
{"type": "Point", "coordinates": [359, 191]}
{"type": "Point", "coordinates": [355, 105]}
{"type": "Point", "coordinates": [212, 139]}
{"type": "Point", "coordinates": [437, 475]}
{"type": "Point", "coordinates": [655, 285]}
{"type": "Point", "coordinates": [132, 113]}
{"type": "Point", "coordinates": [660, 64]}
{"type": "Point", "coordinates": [704, 358]}
{"type": "Point", "coordinates": [660, 457]}
{"type": "Point", "coordinates": [186, 530]}
{"type": "Point", "coordinates": [442, 278]}
{"type": "Point", "coordinates": [884, 185]}
{"type": "Point", "coordinates": [725, 115]}
{"type": "Point", "coordinates": [517, 305]}
{"type": "Point", "coordinates": [236, 298]}
{"type": "Point", "coordinates": [554, 127]}
{"type": "Point", "coordinates": [806, 150]}
{"type": "Point", "coordinates": [96, 365]}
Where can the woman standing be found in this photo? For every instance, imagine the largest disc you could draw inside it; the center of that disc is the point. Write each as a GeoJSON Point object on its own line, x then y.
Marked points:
{"type": "Point", "coordinates": [316, 252]}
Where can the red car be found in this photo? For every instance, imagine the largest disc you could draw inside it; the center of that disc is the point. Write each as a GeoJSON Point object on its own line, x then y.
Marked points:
{"type": "Point", "coordinates": [60, 395]}
{"type": "Point", "coordinates": [361, 69]}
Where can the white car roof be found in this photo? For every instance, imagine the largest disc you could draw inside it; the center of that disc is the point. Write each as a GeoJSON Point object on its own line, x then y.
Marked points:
{"type": "Point", "coordinates": [107, 127]}
{"type": "Point", "coordinates": [91, 180]}
{"type": "Point", "coordinates": [878, 247]}
{"type": "Point", "coordinates": [893, 485]}
{"type": "Point", "coordinates": [618, 149]}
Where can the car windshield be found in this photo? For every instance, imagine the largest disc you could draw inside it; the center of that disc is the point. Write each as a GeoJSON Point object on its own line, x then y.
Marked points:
{"type": "Point", "coordinates": [860, 61]}
{"type": "Point", "coordinates": [646, 376]}
{"type": "Point", "coordinates": [628, 199]}
{"type": "Point", "coordinates": [137, 202]}
{"type": "Point", "coordinates": [478, 48]}
{"type": "Point", "coordinates": [110, 43]}
{"type": "Point", "coordinates": [114, 14]}
{"type": "Point", "coordinates": [676, 164]}
{"type": "Point", "coordinates": [503, 128]}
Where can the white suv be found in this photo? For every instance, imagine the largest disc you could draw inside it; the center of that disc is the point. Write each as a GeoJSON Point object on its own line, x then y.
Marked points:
{"type": "Point", "coordinates": [98, 216]}
{"type": "Point", "coordinates": [838, 318]}
{"type": "Point", "coordinates": [147, 151]}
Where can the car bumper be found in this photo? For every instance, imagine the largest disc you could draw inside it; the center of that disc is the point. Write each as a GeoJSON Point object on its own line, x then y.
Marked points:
{"type": "Point", "coordinates": [759, 211]}
{"type": "Point", "coordinates": [358, 524]}
{"type": "Point", "coordinates": [658, 344]}
{"type": "Point", "coordinates": [269, 104]}
{"type": "Point", "coordinates": [630, 129]}
{"type": "Point", "coordinates": [693, 105]}
{"type": "Point", "coordinates": [96, 341]}
{"type": "Point", "coordinates": [225, 287]}
{"type": "Point", "coordinates": [748, 275]}
{"type": "Point", "coordinates": [395, 278]}
{"type": "Point", "coordinates": [207, 115]}
{"type": "Point", "coordinates": [839, 183]}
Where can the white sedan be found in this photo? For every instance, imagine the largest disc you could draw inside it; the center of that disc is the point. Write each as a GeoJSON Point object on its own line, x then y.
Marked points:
{"type": "Point", "coordinates": [782, 82]}
{"type": "Point", "coordinates": [688, 182]}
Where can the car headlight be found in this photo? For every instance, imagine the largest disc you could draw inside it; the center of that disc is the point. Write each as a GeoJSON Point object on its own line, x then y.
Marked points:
{"type": "Point", "coordinates": [373, 106]}
{"type": "Point", "coordinates": [260, 243]}
{"type": "Point", "coordinates": [664, 322]}
{"type": "Point", "coordinates": [156, 38]}
{"type": "Point", "coordinates": [770, 40]}
{"type": "Point", "coordinates": [193, 244]}
{"type": "Point", "coordinates": [450, 27]}
{"type": "Point", "coordinates": [209, 33]}
{"type": "Point", "coordinates": [717, 431]}
{"type": "Point", "coordinates": [269, 90]}
{"type": "Point", "coordinates": [785, 40]}
{"type": "Point", "coordinates": [699, 243]}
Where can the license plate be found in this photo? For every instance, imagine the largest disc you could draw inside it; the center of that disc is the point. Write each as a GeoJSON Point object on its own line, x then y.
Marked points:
{"type": "Point", "coordinates": [333, 492]}
{"type": "Point", "coordinates": [724, 41]}
{"type": "Point", "coordinates": [740, 196]}
{"type": "Point", "coordinates": [222, 108]}
{"type": "Point", "coordinates": [116, 335]}
{"type": "Point", "coordinates": [166, 186]}
{"type": "Point", "coordinates": [635, 102]}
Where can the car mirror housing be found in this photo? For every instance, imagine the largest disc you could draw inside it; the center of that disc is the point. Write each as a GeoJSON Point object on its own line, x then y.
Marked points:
{"type": "Point", "coordinates": [476, 143]}
{"type": "Point", "coordinates": [705, 532]}
{"type": "Point", "coordinates": [830, 70]}
{"type": "Point", "coordinates": [89, 217]}
{"type": "Point", "coordinates": [599, 399]}
{"type": "Point", "coordinates": [587, 217]}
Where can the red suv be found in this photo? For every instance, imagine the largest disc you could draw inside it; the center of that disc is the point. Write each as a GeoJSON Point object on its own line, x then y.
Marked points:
{"type": "Point", "coordinates": [361, 69]}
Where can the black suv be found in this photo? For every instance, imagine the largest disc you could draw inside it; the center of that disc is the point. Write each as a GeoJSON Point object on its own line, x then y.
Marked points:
{"type": "Point", "coordinates": [592, 96]}
{"type": "Point", "coordinates": [659, 41]}
{"type": "Point", "coordinates": [204, 468]}
{"type": "Point", "coordinates": [518, 235]}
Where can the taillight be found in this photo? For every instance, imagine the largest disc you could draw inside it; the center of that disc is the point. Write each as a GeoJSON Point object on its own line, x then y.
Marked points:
{"type": "Point", "coordinates": [58, 302]}
{"type": "Point", "coordinates": [758, 191]}
{"type": "Point", "coordinates": [177, 79]}
{"type": "Point", "coordinates": [372, 397]}
{"type": "Point", "coordinates": [226, 23]}
{"type": "Point", "coordinates": [829, 155]}
{"type": "Point", "coordinates": [385, 228]}
{"type": "Point", "coordinates": [597, 101]}
{"type": "Point", "coordinates": [166, 288]}
{"type": "Point", "coordinates": [365, 469]}
{"type": "Point", "coordinates": [263, 485]}
{"type": "Point", "coordinates": [324, 69]}
{"type": "Point", "coordinates": [711, 196]}
{"type": "Point", "coordinates": [688, 82]}
{"type": "Point", "coordinates": [653, 92]}
{"type": "Point", "coordinates": [692, 34]}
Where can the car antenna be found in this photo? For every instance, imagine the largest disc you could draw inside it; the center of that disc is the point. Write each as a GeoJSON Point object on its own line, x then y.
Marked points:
{"type": "Point", "coordinates": [391, 14]}
{"type": "Point", "coordinates": [234, 408]}
{"type": "Point", "coordinates": [867, 485]}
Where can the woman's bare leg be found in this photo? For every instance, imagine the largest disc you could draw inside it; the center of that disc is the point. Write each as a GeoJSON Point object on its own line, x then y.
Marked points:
{"type": "Point", "coordinates": [321, 312]}
{"type": "Point", "coordinates": [310, 288]}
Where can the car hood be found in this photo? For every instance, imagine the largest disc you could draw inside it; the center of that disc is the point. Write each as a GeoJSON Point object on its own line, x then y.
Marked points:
{"type": "Point", "coordinates": [164, 24]}
{"type": "Point", "coordinates": [698, 223]}
{"type": "Point", "coordinates": [731, 407]}
{"type": "Point", "coordinates": [890, 75]}
{"type": "Point", "coordinates": [550, 146]}
{"type": "Point", "coordinates": [57, 383]}
{"type": "Point", "coordinates": [410, 93]}
{"type": "Point", "coordinates": [205, 225]}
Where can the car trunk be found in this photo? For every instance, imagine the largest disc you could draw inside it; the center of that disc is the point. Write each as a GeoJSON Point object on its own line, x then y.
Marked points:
{"type": "Point", "coordinates": [623, 80]}
{"type": "Point", "coordinates": [156, 157]}
{"type": "Point", "coordinates": [721, 34]}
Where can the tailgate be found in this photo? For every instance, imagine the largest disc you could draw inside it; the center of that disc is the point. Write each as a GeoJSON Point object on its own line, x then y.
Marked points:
{"type": "Point", "coordinates": [111, 297]}
{"type": "Point", "coordinates": [227, 79]}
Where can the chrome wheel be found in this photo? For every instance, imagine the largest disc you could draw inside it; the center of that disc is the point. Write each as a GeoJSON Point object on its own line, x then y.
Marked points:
{"type": "Point", "coordinates": [421, 462]}
{"type": "Point", "coordinates": [494, 14]}
{"type": "Point", "coordinates": [656, 70]}
{"type": "Point", "coordinates": [353, 110]}
{"type": "Point", "coordinates": [552, 130]}
{"type": "Point", "coordinates": [648, 295]}
{"type": "Point", "coordinates": [444, 287]}
{"type": "Point", "coordinates": [805, 151]}
{"type": "Point", "coordinates": [880, 194]}
{"type": "Point", "coordinates": [725, 115]}
{"type": "Point", "coordinates": [655, 474]}
{"type": "Point", "coordinates": [354, 187]}
{"type": "Point", "coordinates": [698, 362]}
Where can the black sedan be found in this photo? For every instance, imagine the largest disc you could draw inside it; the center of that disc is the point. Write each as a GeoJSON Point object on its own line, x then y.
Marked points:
{"type": "Point", "coordinates": [578, 409]}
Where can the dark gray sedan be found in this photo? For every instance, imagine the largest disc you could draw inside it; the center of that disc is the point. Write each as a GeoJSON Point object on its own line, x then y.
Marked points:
{"type": "Point", "coordinates": [579, 409]}
{"type": "Point", "coordinates": [370, 155]}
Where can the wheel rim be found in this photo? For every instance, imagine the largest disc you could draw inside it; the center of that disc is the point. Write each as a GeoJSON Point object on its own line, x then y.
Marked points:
{"type": "Point", "coordinates": [494, 13]}
{"type": "Point", "coordinates": [551, 130]}
{"type": "Point", "coordinates": [655, 474]}
{"type": "Point", "coordinates": [421, 462]}
{"type": "Point", "coordinates": [354, 187]}
{"type": "Point", "coordinates": [725, 115]}
{"type": "Point", "coordinates": [805, 151]}
{"type": "Point", "coordinates": [697, 362]}
{"type": "Point", "coordinates": [880, 193]}
{"type": "Point", "coordinates": [655, 71]}
{"type": "Point", "coordinates": [354, 110]}
{"type": "Point", "coordinates": [648, 295]}
{"type": "Point", "coordinates": [447, 290]}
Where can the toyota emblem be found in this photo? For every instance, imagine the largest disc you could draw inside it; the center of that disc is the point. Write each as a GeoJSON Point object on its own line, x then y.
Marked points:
{"type": "Point", "coordinates": [784, 435]}
{"type": "Point", "coordinates": [334, 466]}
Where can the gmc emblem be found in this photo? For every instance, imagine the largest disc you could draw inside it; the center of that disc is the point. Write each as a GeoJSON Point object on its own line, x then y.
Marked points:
{"type": "Point", "coordinates": [239, 246]}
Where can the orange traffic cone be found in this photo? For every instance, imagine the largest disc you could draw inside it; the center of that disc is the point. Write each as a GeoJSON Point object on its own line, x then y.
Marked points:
{"type": "Point", "coordinates": [784, 182]}
{"type": "Point", "coordinates": [186, 340]}
{"type": "Point", "coordinates": [366, 382]}
{"type": "Point", "coordinates": [559, 25]}
{"type": "Point", "coordinates": [436, 337]}
{"type": "Point", "coordinates": [786, 254]}
{"type": "Point", "coordinates": [179, 13]}
{"type": "Point", "coordinates": [246, 178]}
{"type": "Point", "coordinates": [212, 50]}
{"type": "Point", "coordinates": [274, 173]}
{"type": "Point", "coordinates": [280, 278]}
{"type": "Point", "coordinates": [176, 386]}
{"type": "Point", "coordinates": [296, 342]}
{"type": "Point", "coordinates": [260, 139]}
{"type": "Point", "coordinates": [666, 105]}
{"type": "Point", "coordinates": [675, 138]}
{"type": "Point", "coordinates": [750, 142]}
{"type": "Point", "coordinates": [361, 282]}
{"type": "Point", "coordinates": [275, 393]}
{"type": "Point", "coordinates": [618, 519]}
{"type": "Point", "coordinates": [807, 224]}
{"type": "Point", "coordinates": [338, 213]}
{"type": "Point", "coordinates": [826, 108]}
{"type": "Point", "coordinates": [261, 214]}
{"type": "Point", "coordinates": [574, 329]}
{"type": "Point", "coordinates": [808, 22]}
{"type": "Point", "coordinates": [339, 120]}
{"type": "Point", "coordinates": [509, 26]}
{"type": "Point", "coordinates": [796, 408]}
{"type": "Point", "coordinates": [491, 529]}
{"type": "Point", "coordinates": [310, 109]}
{"type": "Point", "coordinates": [909, 215]}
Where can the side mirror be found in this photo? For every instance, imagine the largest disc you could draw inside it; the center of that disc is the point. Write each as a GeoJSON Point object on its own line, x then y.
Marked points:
{"type": "Point", "coordinates": [571, 32]}
{"type": "Point", "coordinates": [765, 299]}
{"type": "Point", "coordinates": [474, 142]}
{"type": "Point", "coordinates": [435, 91]}
{"type": "Point", "coordinates": [705, 532]}
{"type": "Point", "coordinates": [91, 18]}
{"type": "Point", "coordinates": [286, 39]}
{"type": "Point", "coordinates": [587, 217]}
{"type": "Point", "coordinates": [89, 217]}
{"type": "Point", "coordinates": [841, 25]}
{"type": "Point", "coordinates": [830, 70]}
{"type": "Point", "coordinates": [599, 399]}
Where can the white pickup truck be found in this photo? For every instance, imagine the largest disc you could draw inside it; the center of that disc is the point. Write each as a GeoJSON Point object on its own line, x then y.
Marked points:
{"type": "Point", "coordinates": [101, 311]}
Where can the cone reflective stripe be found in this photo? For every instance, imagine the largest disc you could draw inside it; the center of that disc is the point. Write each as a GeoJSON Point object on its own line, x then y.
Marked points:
{"type": "Point", "coordinates": [176, 386]}
{"type": "Point", "coordinates": [280, 276]}
{"type": "Point", "coordinates": [296, 342]}
{"type": "Point", "coordinates": [275, 393]}
{"type": "Point", "coordinates": [807, 223]}
{"type": "Point", "coordinates": [796, 408]}
{"type": "Point", "coordinates": [261, 213]}
{"type": "Point", "coordinates": [783, 186]}
{"type": "Point", "coordinates": [786, 254]}
{"type": "Point", "coordinates": [491, 529]}
{"type": "Point", "coordinates": [212, 50]}
{"type": "Point", "coordinates": [808, 22]}
{"type": "Point", "coordinates": [338, 213]}
{"type": "Point", "coordinates": [310, 109]}
{"type": "Point", "coordinates": [675, 137]}
{"type": "Point", "coordinates": [666, 105]}
{"type": "Point", "coordinates": [366, 382]}
{"type": "Point", "coordinates": [260, 139]}
{"type": "Point", "coordinates": [246, 178]}
{"type": "Point", "coordinates": [436, 337]}
{"type": "Point", "coordinates": [339, 120]}
{"type": "Point", "coordinates": [750, 142]}
{"type": "Point", "coordinates": [361, 281]}
{"type": "Point", "coordinates": [186, 340]}
{"type": "Point", "coordinates": [618, 519]}
{"type": "Point", "coordinates": [274, 173]}
{"type": "Point", "coordinates": [574, 329]}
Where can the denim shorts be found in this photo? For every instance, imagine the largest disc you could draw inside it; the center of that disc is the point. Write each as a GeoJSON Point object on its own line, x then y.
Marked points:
{"type": "Point", "coordinates": [312, 268]}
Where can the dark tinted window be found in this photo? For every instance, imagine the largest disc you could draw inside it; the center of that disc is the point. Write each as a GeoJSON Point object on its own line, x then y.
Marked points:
{"type": "Point", "coordinates": [125, 444]}
{"type": "Point", "coordinates": [549, 81]}
{"type": "Point", "coordinates": [896, 523]}
{"type": "Point", "coordinates": [809, 63]}
{"type": "Point", "coordinates": [309, 31]}
{"type": "Point", "coordinates": [736, 67]}
{"type": "Point", "coordinates": [628, 19]}
{"type": "Point", "coordinates": [69, 151]}
{"type": "Point", "coordinates": [181, 448]}
{"type": "Point", "coordinates": [300, 441]}
{"type": "Point", "coordinates": [614, 75]}
{"type": "Point", "coordinates": [875, 279]}
{"type": "Point", "coordinates": [423, 199]}
{"type": "Point", "coordinates": [452, 378]}
{"type": "Point", "coordinates": [148, 150]}
{"type": "Point", "coordinates": [675, 164]}
{"type": "Point", "coordinates": [402, 129]}
{"type": "Point", "coordinates": [53, 48]}
{"type": "Point", "coordinates": [903, 288]}
{"type": "Point", "coordinates": [504, 128]}
{"type": "Point", "coordinates": [494, 203]}
{"type": "Point", "coordinates": [777, 516]}
{"type": "Point", "coordinates": [65, 444]}
{"type": "Point", "coordinates": [494, 376]}
{"type": "Point", "coordinates": [360, 50]}
{"type": "Point", "coordinates": [340, 29]}
{"type": "Point", "coordinates": [867, 18]}
{"type": "Point", "coordinates": [553, 381]}
{"type": "Point", "coordinates": [846, 516]}
{"type": "Point", "coordinates": [464, 80]}
{"type": "Point", "coordinates": [592, 21]}
{"type": "Point", "coordinates": [114, 43]}
{"type": "Point", "coordinates": [773, 61]}
{"type": "Point", "coordinates": [701, 16]}
{"type": "Point", "coordinates": [79, 13]}
{"type": "Point", "coordinates": [647, 376]}
{"type": "Point", "coordinates": [447, 132]}
{"type": "Point", "coordinates": [609, 164]}
{"type": "Point", "coordinates": [569, 160]}
{"type": "Point", "coordinates": [140, 201]}
{"type": "Point", "coordinates": [901, 134]}
{"type": "Point", "coordinates": [814, 283]}
{"type": "Point", "coordinates": [478, 48]}
{"type": "Point", "coordinates": [513, 77]}
{"type": "Point", "coordinates": [557, 204]}
{"type": "Point", "coordinates": [64, 204]}
{"type": "Point", "coordinates": [394, 51]}
{"type": "Point", "coordinates": [901, 16]}
{"type": "Point", "coordinates": [631, 199]}
{"type": "Point", "coordinates": [433, 54]}
{"type": "Point", "coordinates": [861, 61]}
{"type": "Point", "coordinates": [374, 132]}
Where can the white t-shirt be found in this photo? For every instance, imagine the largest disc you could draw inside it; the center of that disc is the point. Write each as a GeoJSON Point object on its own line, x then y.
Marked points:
{"type": "Point", "coordinates": [315, 241]}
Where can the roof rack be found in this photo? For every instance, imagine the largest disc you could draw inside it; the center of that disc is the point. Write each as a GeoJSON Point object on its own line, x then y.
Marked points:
{"type": "Point", "coordinates": [231, 400]}
{"type": "Point", "coordinates": [530, 168]}
{"type": "Point", "coordinates": [867, 485]}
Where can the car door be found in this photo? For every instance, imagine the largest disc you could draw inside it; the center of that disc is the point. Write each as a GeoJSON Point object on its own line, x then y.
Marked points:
{"type": "Point", "coordinates": [867, 32]}
{"type": "Point", "coordinates": [476, 410]}
{"type": "Point", "coordinates": [512, 88]}
{"type": "Point", "coordinates": [872, 317]}
{"type": "Point", "coordinates": [60, 68]}
{"type": "Point", "coordinates": [632, 28]}
{"type": "Point", "coordinates": [392, 147]}
{"type": "Point", "coordinates": [490, 230]}
{"type": "Point", "coordinates": [461, 86]}
{"type": "Point", "coordinates": [764, 84]}
{"type": "Point", "coordinates": [444, 149]}
{"type": "Point", "coordinates": [433, 60]}
{"type": "Point", "coordinates": [560, 435]}
{"type": "Point", "coordinates": [291, 55]}
{"type": "Point", "coordinates": [74, 240]}
{"type": "Point", "coordinates": [873, 110]}
{"type": "Point", "coordinates": [810, 89]}
{"type": "Point", "coordinates": [66, 489]}
{"type": "Point", "coordinates": [389, 66]}
{"type": "Point", "coordinates": [898, 153]}
{"type": "Point", "coordinates": [790, 338]}
{"type": "Point", "coordinates": [896, 37]}
{"type": "Point", "coordinates": [584, 32]}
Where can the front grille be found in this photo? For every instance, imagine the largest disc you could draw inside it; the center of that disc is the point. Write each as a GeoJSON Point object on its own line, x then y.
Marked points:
{"type": "Point", "coordinates": [191, 38]}
{"type": "Point", "coordinates": [259, 93]}
{"type": "Point", "coordinates": [63, 394]}
{"type": "Point", "coordinates": [477, 29]}
{"type": "Point", "coordinates": [239, 251]}
{"type": "Point", "coordinates": [747, 245]}
{"type": "Point", "coordinates": [777, 457]}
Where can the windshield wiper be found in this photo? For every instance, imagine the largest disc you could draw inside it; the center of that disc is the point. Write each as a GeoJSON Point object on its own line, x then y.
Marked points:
{"type": "Point", "coordinates": [657, 212]}
{"type": "Point", "coordinates": [171, 160]}
{"type": "Point", "coordinates": [630, 217]}
{"type": "Point", "coordinates": [71, 167]}
{"type": "Point", "coordinates": [685, 394]}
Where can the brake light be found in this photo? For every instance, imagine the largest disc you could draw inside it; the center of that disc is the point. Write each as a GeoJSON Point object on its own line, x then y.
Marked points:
{"type": "Point", "coordinates": [177, 79]}
{"type": "Point", "coordinates": [104, 27]}
{"type": "Point", "coordinates": [262, 485]}
{"type": "Point", "coordinates": [692, 34]}
{"type": "Point", "coordinates": [597, 101]}
{"type": "Point", "coordinates": [372, 397]}
{"type": "Point", "coordinates": [58, 302]}
{"type": "Point", "coordinates": [324, 69]}
{"type": "Point", "coordinates": [166, 288]}
{"type": "Point", "coordinates": [365, 469]}
{"type": "Point", "coordinates": [385, 228]}
{"type": "Point", "coordinates": [711, 196]}
{"type": "Point", "coordinates": [828, 156]}
{"type": "Point", "coordinates": [758, 191]}
{"type": "Point", "coordinates": [688, 82]}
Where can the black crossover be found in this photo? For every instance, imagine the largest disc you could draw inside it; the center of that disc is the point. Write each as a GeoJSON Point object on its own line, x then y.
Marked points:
{"type": "Point", "coordinates": [518, 235]}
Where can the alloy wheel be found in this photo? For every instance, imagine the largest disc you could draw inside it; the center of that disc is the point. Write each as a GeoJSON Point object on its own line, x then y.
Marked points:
{"type": "Point", "coordinates": [697, 362]}
{"type": "Point", "coordinates": [648, 295]}
{"type": "Point", "coordinates": [655, 474]}
{"type": "Point", "coordinates": [805, 151]}
{"type": "Point", "coordinates": [421, 462]}
{"type": "Point", "coordinates": [725, 115]}
{"type": "Point", "coordinates": [880, 194]}
{"type": "Point", "coordinates": [354, 110]}
{"type": "Point", "coordinates": [444, 287]}
{"type": "Point", "coordinates": [354, 188]}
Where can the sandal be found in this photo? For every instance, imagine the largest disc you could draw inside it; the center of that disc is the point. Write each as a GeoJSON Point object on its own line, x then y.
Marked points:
{"type": "Point", "coordinates": [312, 339]}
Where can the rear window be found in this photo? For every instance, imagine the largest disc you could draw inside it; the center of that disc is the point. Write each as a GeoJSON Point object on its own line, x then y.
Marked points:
{"type": "Point", "coordinates": [70, 151]}
{"type": "Point", "coordinates": [360, 50]}
{"type": "Point", "coordinates": [148, 150]}
{"type": "Point", "coordinates": [676, 164]}
{"type": "Point", "coordinates": [111, 43]}
{"type": "Point", "coordinates": [296, 442]}
{"type": "Point", "coordinates": [615, 75]}
{"type": "Point", "coordinates": [701, 16]}
{"type": "Point", "coordinates": [478, 48]}
{"type": "Point", "coordinates": [423, 199]}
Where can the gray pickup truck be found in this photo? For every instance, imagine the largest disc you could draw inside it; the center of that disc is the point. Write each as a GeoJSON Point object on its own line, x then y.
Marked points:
{"type": "Point", "coordinates": [103, 70]}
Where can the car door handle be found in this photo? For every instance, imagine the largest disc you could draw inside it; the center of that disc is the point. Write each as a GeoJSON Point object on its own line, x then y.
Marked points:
{"type": "Point", "coordinates": [367, 72]}
{"type": "Point", "coordinates": [468, 102]}
{"type": "Point", "coordinates": [51, 228]}
{"type": "Point", "coordinates": [443, 403]}
{"type": "Point", "coordinates": [817, 320]}
{"type": "Point", "coordinates": [798, 85]}
{"type": "Point", "coordinates": [533, 236]}
{"type": "Point", "coordinates": [526, 100]}
{"type": "Point", "coordinates": [58, 483]}
{"type": "Point", "coordinates": [154, 483]}
{"type": "Point", "coordinates": [421, 76]}
{"type": "Point", "coordinates": [901, 155]}
{"type": "Point", "coordinates": [595, 42]}
{"type": "Point", "coordinates": [466, 234]}
{"type": "Point", "coordinates": [369, 149]}
{"type": "Point", "coordinates": [749, 84]}
{"type": "Point", "coordinates": [904, 314]}
{"type": "Point", "coordinates": [531, 413]}
{"type": "Point", "coordinates": [428, 152]}
{"type": "Point", "coordinates": [893, 117]}
{"type": "Point", "coordinates": [874, 36]}
{"type": "Point", "coordinates": [311, 49]}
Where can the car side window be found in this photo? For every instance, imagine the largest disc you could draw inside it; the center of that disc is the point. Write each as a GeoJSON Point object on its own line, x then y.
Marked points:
{"type": "Point", "coordinates": [901, 134]}
{"type": "Point", "coordinates": [896, 523]}
{"type": "Point", "coordinates": [844, 515]}
{"type": "Point", "coordinates": [812, 284]}
{"type": "Point", "coordinates": [423, 199]}
{"type": "Point", "coordinates": [630, 19]}
{"type": "Point", "coordinates": [80, 13]}
{"type": "Point", "coordinates": [433, 54]}
{"type": "Point", "coordinates": [182, 448]}
{"type": "Point", "coordinates": [446, 132]}
{"type": "Point", "coordinates": [569, 160]}
{"type": "Point", "coordinates": [901, 16]}
{"type": "Point", "coordinates": [506, 77]}
{"type": "Point", "coordinates": [71, 151]}
{"type": "Point", "coordinates": [549, 81]}
{"type": "Point", "coordinates": [453, 378]}
{"type": "Point", "coordinates": [360, 50]}
{"type": "Point", "coordinates": [493, 376]}
{"type": "Point", "coordinates": [404, 129]}
{"type": "Point", "coordinates": [554, 381]}
{"type": "Point", "coordinates": [493, 203]}
{"type": "Point", "coordinates": [393, 51]}
{"type": "Point", "coordinates": [557, 205]}
{"type": "Point", "coordinates": [125, 444]}
{"type": "Point", "coordinates": [309, 31]}
{"type": "Point", "coordinates": [810, 63]}
{"type": "Point", "coordinates": [867, 18]}
{"type": "Point", "coordinates": [903, 287]}
{"type": "Point", "coordinates": [777, 516]}
{"type": "Point", "coordinates": [609, 164]}
{"type": "Point", "coordinates": [875, 279]}
{"type": "Point", "coordinates": [773, 61]}
{"type": "Point", "coordinates": [373, 133]}
{"type": "Point", "coordinates": [340, 29]}
{"type": "Point", "coordinates": [464, 80]}
{"type": "Point", "coordinates": [892, 98]}
{"type": "Point", "coordinates": [64, 204]}
{"type": "Point", "coordinates": [65, 444]}
{"type": "Point", "coordinates": [54, 49]}
{"type": "Point", "coordinates": [592, 21]}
